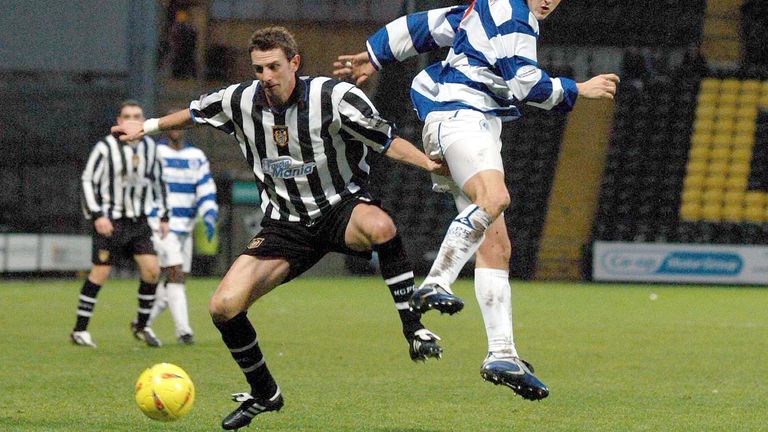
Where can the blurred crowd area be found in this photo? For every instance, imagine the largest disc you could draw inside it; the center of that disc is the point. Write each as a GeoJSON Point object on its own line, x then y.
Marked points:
{"type": "Point", "coordinates": [662, 49]}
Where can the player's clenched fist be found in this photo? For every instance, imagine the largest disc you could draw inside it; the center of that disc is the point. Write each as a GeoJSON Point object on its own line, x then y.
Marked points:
{"type": "Point", "coordinates": [599, 87]}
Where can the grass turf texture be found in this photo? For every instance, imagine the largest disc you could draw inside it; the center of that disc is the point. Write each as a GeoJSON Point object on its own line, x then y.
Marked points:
{"type": "Point", "coordinates": [615, 360]}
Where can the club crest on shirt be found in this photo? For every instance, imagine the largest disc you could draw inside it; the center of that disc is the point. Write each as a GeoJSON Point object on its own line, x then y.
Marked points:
{"type": "Point", "coordinates": [103, 255]}
{"type": "Point", "coordinates": [280, 135]}
{"type": "Point", "coordinates": [255, 242]}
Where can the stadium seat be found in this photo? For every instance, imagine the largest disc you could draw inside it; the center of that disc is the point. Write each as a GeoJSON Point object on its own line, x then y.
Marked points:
{"type": "Point", "coordinates": [691, 212]}
{"type": "Point", "coordinates": [738, 169]}
{"type": "Point", "coordinates": [692, 196]}
{"type": "Point", "coordinates": [697, 166]}
{"type": "Point", "coordinates": [713, 196]}
{"type": "Point", "coordinates": [709, 85]}
{"type": "Point", "coordinates": [736, 183]}
{"type": "Point", "coordinates": [741, 154]}
{"type": "Point", "coordinates": [699, 153]}
{"type": "Point", "coordinates": [712, 212]}
{"type": "Point", "coordinates": [714, 182]}
{"type": "Point", "coordinates": [733, 197]}
{"type": "Point", "coordinates": [730, 85]}
{"type": "Point", "coordinates": [755, 199]}
{"type": "Point", "coordinates": [694, 182]}
{"type": "Point", "coordinates": [733, 213]}
{"type": "Point", "coordinates": [755, 214]}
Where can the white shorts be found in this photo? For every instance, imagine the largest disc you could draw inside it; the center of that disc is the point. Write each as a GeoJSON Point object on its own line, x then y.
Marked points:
{"type": "Point", "coordinates": [174, 249]}
{"type": "Point", "coordinates": [468, 140]}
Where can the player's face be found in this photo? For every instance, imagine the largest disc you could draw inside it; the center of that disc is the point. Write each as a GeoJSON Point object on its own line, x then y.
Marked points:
{"type": "Point", "coordinates": [176, 136]}
{"type": "Point", "coordinates": [542, 8]}
{"type": "Point", "coordinates": [130, 113]}
{"type": "Point", "coordinates": [276, 72]}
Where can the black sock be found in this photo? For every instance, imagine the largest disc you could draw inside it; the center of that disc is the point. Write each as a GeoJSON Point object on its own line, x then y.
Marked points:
{"type": "Point", "coordinates": [240, 337]}
{"type": "Point", "coordinates": [146, 300]}
{"type": "Point", "coordinates": [86, 304]}
{"type": "Point", "coordinates": [398, 275]}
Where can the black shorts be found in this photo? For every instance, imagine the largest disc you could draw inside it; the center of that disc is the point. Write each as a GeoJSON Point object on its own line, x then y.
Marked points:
{"type": "Point", "coordinates": [303, 246]}
{"type": "Point", "coordinates": [128, 238]}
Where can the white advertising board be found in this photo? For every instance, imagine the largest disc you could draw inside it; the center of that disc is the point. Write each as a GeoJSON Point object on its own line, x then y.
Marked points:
{"type": "Point", "coordinates": [22, 251]}
{"type": "Point", "coordinates": [65, 252]}
{"type": "Point", "coordinates": [673, 262]}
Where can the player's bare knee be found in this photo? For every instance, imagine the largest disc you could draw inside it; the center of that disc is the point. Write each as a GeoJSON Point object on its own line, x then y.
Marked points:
{"type": "Point", "coordinates": [221, 308]}
{"type": "Point", "coordinates": [382, 230]}
{"type": "Point", "coordinates": [494, 204]}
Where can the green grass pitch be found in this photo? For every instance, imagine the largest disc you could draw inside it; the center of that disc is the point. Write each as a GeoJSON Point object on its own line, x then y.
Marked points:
{"type": "Point", "coordinates": [693, 359]}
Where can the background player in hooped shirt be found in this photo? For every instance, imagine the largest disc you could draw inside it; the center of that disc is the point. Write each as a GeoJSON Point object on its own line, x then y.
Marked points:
{"type": "Point", "coordinates": [463, 101]}
{"type": "Point", "coordinates": [191, 194]}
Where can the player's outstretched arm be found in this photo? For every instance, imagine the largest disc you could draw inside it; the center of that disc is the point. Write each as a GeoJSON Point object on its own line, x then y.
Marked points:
{"type": "Point", "coordinates": [135, 130]}
{"type": "Point", "coordinates": [599, 87]}
{"type": "Point", "coordinates": [402, 150]}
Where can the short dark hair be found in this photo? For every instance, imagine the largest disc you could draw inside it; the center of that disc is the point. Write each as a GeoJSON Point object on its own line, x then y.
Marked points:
{"type": "Point", "coordinates": [127, 103]}
{"type": "Point", "coordinates": [270, 38]}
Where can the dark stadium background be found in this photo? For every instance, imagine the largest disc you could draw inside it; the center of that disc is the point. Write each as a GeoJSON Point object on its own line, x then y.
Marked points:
{"type": "Point", "coordinates": [612, 172]}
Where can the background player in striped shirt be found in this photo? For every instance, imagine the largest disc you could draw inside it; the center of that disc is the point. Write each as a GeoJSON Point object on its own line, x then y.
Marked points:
{"type": "Point", "coordinates": [306, 140]}
{"type": "Point", "coordinates": [463, 100]}
{"type": "Point", "coordinates": [191, 194]}
{"type": "Point", "coordinates": [122, 183]}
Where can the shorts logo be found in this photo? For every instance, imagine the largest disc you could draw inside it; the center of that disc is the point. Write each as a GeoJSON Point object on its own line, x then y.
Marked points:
{"type": "Point", "coordinates": [280, 135]}
{"type": "Point", "coordinates": [103, 255]}
{"type": "Point", "coordinates": [256, 242]}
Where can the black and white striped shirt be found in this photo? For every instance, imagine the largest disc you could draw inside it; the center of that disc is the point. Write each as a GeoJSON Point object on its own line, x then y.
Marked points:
{"type": "Point", "coordinates": [308, 157]}
{"type": "Point", "coordinates": [123, 180]}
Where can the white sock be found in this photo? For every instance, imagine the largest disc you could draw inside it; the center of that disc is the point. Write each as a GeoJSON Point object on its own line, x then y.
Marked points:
{"type": "Point", "coordinates": [161, 302]}
{"type": "Point", "coordinates": [494, 295]}
{"type": "Point", "coordinates": [177, 303]}
{"type": "Point", "coordinates": [464, 236]}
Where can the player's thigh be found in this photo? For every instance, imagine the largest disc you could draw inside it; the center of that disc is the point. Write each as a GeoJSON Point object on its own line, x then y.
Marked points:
{"type": "Point", "coordinates": [471, 143]}
{"type": "Point", "coordinates": [368, 225]}
{"type": "Point", "coordinates": [248, 279]}
{"type": "Point", "coordinates": [496, 248]}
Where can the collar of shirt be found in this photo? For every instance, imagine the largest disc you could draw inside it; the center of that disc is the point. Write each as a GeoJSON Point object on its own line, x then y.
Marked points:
{"type": "Point", "coordinates": [297, 97]}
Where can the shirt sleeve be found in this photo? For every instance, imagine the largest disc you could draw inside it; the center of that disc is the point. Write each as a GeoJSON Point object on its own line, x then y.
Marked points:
{"type": "Point", "coordinates": [516, 58]}
{"type": "Point", "coordinates": [209, 110]}
{"type": "Point", "coordinates": [91, 181]}
{"type": "Point", "coordinates": [205, 191]}
{"type": "Point", "coordinates": [414, 34]}
{"type": "Point", "coordinates": [361, 120]}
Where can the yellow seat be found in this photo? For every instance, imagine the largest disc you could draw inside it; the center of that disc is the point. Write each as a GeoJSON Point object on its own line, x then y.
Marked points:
{"type": "Point", "coordinates": [706, 111]}
{"type": "Point", "coordinates": [728, 99]}
{"type": "Point", "coordinates": [709, 98]}
{"type": "Point", "coordinates": [709, 85]}
{"type": "Point", "coordinates": [736, 183]}
{"type": "Point", "coordinates": [714, 182]}
{"type": "Point", "coordinates": [743, 141]}
{"type": "Point", "coordinates": [725, 126]}
{"type": "Point", "coordinates": [724, 112]}
{"type": "Point", "coordinates": [694, 182]}
{"type": "Point", "coordinates": [764, 88]}
{"type": "Point", "coordinates": [717, 168]}
{"type": "Point", "coordinates": [698, 153]}
{"type": "Point", "coordinates": [746, 126]}
{"type": "Point", "coordinates": [733, 197]}
{"type": "Point", "coordinates": [697, 167]}
{"type": "Point", "coordinates": [755, 199]}
{"type": "Point", "coordinates": [690, 212]}
{"type": "Point", "coordinates": [722, 140]}
{"type": "Point", "coordinates": [733, 213]}
{"type": "Point", "coordinates": [750, 86]}
{"type": "Point", "coordinates": [712, 196]}
{"type": "Point", "coordinates": [738, 169]}
{"type": "Point", "coordinates": [763, 103]}
{"type": "Point", "coordinates": [747, 100]}
{"type": "Point", "coordinates": [703, 125]}
{"type": "Point", "coordinates": [712, 212]}
{"type": "Point", "coordinates": [755, 214]}
{"type": "Point", "coordinates": [701, 139]}
{"type": "Point", "coordinates": [692, 195]}
{"type": "Point", "coordinates": [730, 85]}
{"type": "Point", "coordinates": [720, 154]}
{"type": "Point", "coordinates": [741, 154]}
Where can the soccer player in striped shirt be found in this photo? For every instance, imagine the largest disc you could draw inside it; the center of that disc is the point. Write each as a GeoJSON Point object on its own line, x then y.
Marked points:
{"type": "Point", "coordinates": [191, 194]}
{"type": "Point", "coordinates": [306, 139]}
{"type": "Point", "coordinates": [490, 69]}
{"type": "Point", "coordinates": [122, 182]}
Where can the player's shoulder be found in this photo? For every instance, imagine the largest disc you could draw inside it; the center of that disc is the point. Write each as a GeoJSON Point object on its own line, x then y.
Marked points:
{"type": "Point", "coordinates": [327, 83]}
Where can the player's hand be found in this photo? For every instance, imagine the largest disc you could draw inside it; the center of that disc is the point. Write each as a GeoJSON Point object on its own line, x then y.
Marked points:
{"type": "Point", "coordinates": [165, 228]}
{"type": "Point", "coordinates": [209, 220]}
{"type": "Point", "coordinates": [354, 67]}
{"type": "Point", "coordinates": [104, 226]}
{"type": "Point", "coordinates": [599, 87]}
{"type": "Point", "coordinates": [438, 167]}
{"type": "Point", "coordinates": [129, 130]}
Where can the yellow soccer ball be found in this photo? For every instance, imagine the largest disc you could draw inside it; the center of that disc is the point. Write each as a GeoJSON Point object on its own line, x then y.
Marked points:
{"type": "Point", "coordinates": [165, 392]}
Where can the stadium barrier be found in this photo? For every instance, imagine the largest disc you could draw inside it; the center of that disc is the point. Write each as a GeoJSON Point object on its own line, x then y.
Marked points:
{"type": "Point", "coordinates": [44, 252]}
{"type": "Point", "coordinates": [680, 263]}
